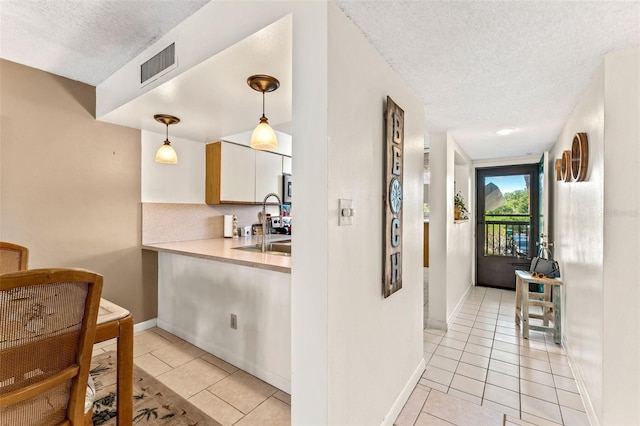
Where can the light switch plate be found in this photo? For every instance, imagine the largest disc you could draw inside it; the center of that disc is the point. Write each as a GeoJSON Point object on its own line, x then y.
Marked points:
{"type": "Point", "coordinates": [345, 212]}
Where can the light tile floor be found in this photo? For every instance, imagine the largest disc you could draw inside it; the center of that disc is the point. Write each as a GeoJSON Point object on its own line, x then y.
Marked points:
{"type": "Point", "coordinates": [482, 372]}
{"type": "Point", "coordinates": [222, 391]}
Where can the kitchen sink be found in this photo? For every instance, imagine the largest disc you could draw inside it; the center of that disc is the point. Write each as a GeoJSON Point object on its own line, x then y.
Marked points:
{"type": "Point", "coordinates": [281, 247]}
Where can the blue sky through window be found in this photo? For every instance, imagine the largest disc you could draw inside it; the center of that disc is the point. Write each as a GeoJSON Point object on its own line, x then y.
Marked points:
{"type": "Point", "coordinates": [507, 183]}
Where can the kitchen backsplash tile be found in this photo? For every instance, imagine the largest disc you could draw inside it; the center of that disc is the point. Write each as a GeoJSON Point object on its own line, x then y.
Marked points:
{"type": "Point", "coordinates": [166, 222]}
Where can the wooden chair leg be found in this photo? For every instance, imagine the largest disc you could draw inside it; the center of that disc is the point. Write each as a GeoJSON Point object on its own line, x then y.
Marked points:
{"type": "Point", "coordinates": [125, 372]}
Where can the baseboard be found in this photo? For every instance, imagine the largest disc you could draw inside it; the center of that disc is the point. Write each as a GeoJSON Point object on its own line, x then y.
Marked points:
{"type": "Point", "coordinates": [436, 324]}
{"type": "Point", "coordinates": [281, 383]}
{"type": "Point", "coordinates": [459, 305]}
{"type": "Point", "coordinates": [404, 395]}
{"type": "Point", "coordinates": [444, 325]}
{"type": "Point", "coordinates": [145, 325]}
{"type": "Point", "coordinates": [586, 400]}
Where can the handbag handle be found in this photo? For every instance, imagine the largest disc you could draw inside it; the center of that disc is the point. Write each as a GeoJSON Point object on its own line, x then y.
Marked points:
{"type": "Point", "coordinates": [544, 251]}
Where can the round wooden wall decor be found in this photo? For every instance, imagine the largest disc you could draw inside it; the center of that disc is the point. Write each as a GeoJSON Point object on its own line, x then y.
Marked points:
{"type": "Point", "coordinates": [579, 157]}
{"type": "Point", "coordinates": [565, 168]}
{"type": "Point", "coordinates": [558, 169]}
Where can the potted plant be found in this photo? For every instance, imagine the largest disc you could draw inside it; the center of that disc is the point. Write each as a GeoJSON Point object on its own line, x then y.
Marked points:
{"type": "Point", "coordinates": [460, 209]}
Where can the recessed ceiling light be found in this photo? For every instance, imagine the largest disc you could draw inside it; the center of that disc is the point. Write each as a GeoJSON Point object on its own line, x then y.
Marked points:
{"type": "Point", "coordinates": [503, 132]}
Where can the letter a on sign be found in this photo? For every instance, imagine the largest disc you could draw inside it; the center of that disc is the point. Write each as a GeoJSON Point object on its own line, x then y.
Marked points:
{"type": "Point", "coordinates": [392, 196]}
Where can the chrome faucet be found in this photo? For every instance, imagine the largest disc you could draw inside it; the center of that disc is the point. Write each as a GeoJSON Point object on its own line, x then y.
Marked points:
{"type": "Point", "coordinates": [266, 228]}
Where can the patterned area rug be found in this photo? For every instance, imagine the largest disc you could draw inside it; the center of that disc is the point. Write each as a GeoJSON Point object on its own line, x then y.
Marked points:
{"type": "Point", "coordinates": [153, 402]}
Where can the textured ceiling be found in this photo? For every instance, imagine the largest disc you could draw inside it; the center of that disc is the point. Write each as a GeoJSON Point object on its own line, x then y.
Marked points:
{"type": "Point", "coordinates": [85, 40]}
{"type": "Point", "coordinates": [478, 65]}
{"type": "Point", "coordinates": [484, 65]}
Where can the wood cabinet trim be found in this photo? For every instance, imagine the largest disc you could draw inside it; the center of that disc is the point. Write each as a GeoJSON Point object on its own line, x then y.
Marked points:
{"type": "Point", "coordinates": [213, 173]}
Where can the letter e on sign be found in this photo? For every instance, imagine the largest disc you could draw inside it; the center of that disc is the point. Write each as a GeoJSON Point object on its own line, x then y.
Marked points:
{"type": "Point", "coordinates": [397, 161]}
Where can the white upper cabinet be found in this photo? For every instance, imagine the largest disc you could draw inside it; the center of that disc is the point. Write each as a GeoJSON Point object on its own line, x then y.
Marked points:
{"type": "Point", "coordinates": [230, 174]}
{"type": "Point", "coordinates": [237, 174]}
{"type": "Point", "coordinates": [268, 172]}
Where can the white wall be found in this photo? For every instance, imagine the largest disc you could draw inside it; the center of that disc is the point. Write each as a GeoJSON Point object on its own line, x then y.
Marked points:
{"type": "Point", "coordinates": [621, 293]}
{"type": "Point", "coordinates": [460, 238]}
{"type": "Point", "coordinates": [310, 265]}
{"type": "Point", "coordinates": [438, 223]}
{"type": "Point", "coordinates": [172, 183]}
{"type": "Point", "coordinates": [597, 236]}
{"type": "Point", "coordinates": [450, 244]}
{"type": "Point", "coordinates": [360, 320]}
{"type": "Point", "coordinates": [578, 236]}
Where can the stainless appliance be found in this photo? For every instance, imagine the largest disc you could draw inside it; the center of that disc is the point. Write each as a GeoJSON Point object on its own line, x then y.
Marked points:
{"type": "Point", "coordinates": [286, 188]}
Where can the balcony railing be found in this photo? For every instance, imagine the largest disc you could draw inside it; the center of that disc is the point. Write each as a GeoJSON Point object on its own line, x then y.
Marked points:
{"type": "Point", "coordinates": [507, 235]}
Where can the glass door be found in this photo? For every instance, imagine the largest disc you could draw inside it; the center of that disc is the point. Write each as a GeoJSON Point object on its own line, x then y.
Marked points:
{"type": "Point", "coordinates": [508, 222]}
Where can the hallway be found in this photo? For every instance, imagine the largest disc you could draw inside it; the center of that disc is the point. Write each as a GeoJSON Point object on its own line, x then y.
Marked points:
{"type": "Point", "coordinates": [482, 372]}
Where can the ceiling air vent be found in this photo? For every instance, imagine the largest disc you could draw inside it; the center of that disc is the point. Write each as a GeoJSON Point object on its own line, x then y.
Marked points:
{"type": "Point", "coordinates": [163, 61]}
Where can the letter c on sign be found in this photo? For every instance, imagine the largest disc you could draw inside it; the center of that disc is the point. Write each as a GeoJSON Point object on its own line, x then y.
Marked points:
{"type": "Point", "coordinates": [395, 235]}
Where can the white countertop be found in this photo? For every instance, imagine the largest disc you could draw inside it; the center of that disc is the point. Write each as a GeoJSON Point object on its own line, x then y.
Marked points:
{"type": "Point", "coordinates": [222, 249]}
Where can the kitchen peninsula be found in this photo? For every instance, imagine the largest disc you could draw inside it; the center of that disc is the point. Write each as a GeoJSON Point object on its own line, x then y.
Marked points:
{"type": "Point", "coordinates": [226, 250]}
{"type": "Point", "coordinates": [233, 303]}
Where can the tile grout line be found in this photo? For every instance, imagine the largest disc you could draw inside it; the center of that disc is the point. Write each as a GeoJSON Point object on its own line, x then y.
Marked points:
{"type": "Point", "coordinates": [422, 407]}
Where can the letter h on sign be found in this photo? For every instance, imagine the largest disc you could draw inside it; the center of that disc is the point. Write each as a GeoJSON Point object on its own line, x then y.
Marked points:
{"type": "Point", "coordinates": [396, 264]}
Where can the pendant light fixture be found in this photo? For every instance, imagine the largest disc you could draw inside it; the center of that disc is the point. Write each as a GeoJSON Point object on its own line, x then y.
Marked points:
{"type": "Point", "coordinates": [263, 137]}
{"type": "Point", "coordinates": [166, 154]}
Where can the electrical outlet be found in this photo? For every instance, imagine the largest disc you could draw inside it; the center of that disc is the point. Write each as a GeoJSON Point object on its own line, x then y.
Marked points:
{"type": "Point", "coordinates": [234, 321]}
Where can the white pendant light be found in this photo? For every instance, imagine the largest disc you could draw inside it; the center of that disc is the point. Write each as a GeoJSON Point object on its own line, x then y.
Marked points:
{"type": "Point", "coordinates": [166, 154]}
{"type": "Point", "coordinates": [263, 137]}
